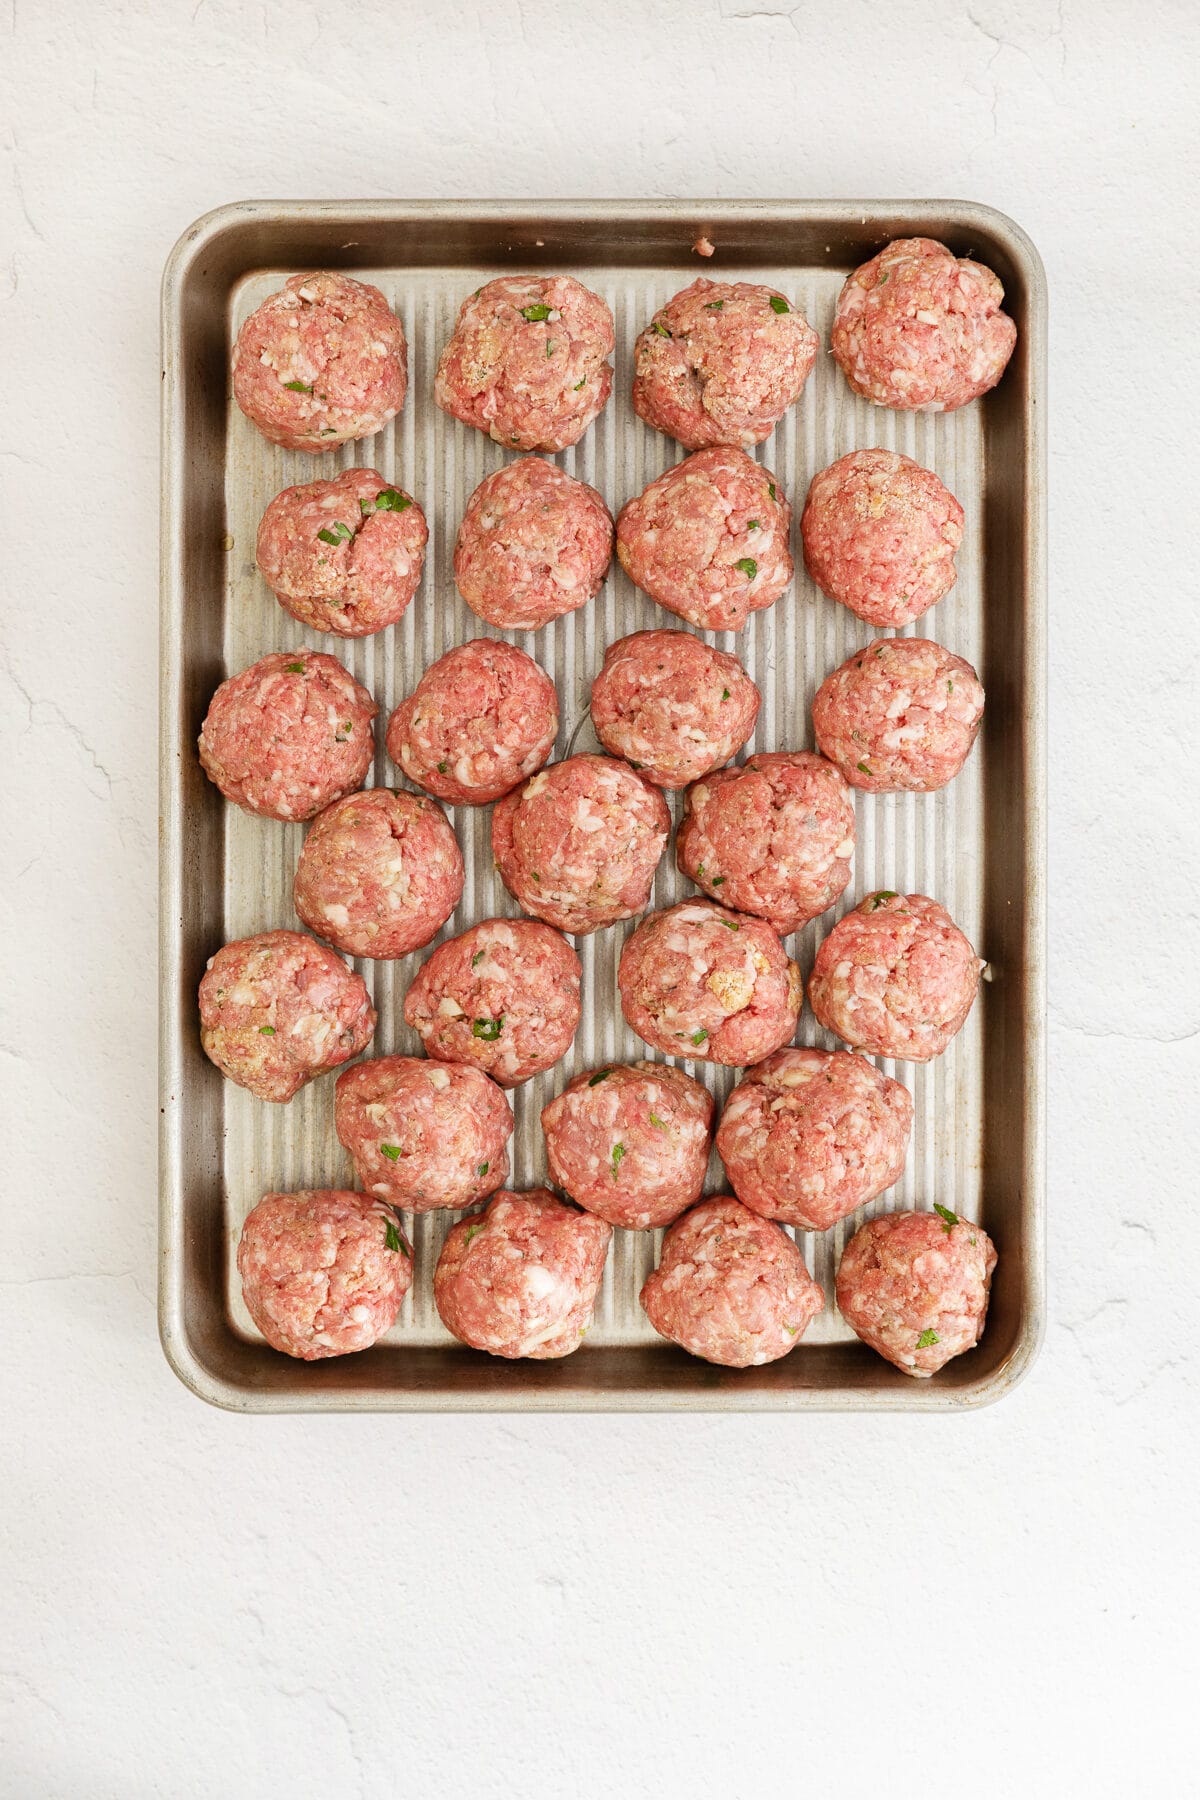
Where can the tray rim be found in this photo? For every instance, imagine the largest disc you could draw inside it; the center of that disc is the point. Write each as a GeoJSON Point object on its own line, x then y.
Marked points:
{"type": "Point", "coordinates": [908, 1395]}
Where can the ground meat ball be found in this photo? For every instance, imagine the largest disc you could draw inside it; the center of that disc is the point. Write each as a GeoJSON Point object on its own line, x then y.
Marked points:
{"type": "Point", "coordinates": [578, 845]}
{"type": "Point", "coordinates": [534, 544]}
{"type": "Point", "coordinates": [880, 534]}
{"type": "Point", "coordinates": [921, 329]}
{"type": "Point", "coordinates": [379, 874]}
{"type": "Point", "coordinates": [774, 838]}
{"type": "Point", "coordinates": [503, 996]}
{"type": "Point", "coordinates": [323, 1271]}
{"type": "Point", "coordinates": [721, 363]}
{"type": "Point", "coordinates": [809, 1135]}
{"type": "Point", "coordinates": [702, 982]}
{"type": "Point", "coordinates": [344, 555]}
{"type": "Point", "coordinates": [895, 977]}
{"type": "Point", "coordinates": [321, 363]}
{"type": "Point", "coordinates": [672, 706]}
{"type": "Point", "coordinates": [901, 714]}
{"type": "Point", "coordinates": [521, 1277]}
{"type": "Point", "coordinates": [709, 539]}
{"type": "Point", "coordinates": [630, 1142]}
{"type": "Point", "coordinates": [730, 1287]}
{"type": "Point", "coordinates": [422, 1134]}
{"type": "Point", "coordinates": [289, 735]}
{"type": "Point", "coordinates": [479, 721]}
{"type": "Point", "coordinates": [277, 1010]}
{"type": "Point", "coordinates": [527, 361]}
{"type": "Point", "coordinates": [914, 1286]}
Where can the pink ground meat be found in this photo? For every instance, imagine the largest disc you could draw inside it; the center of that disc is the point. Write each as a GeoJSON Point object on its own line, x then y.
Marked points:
{"type": "Point", "coordinates": [578, 844]}
{"type": "Point", "coordinates": [880, 535]}
{"type": "Point", "coordinates": [895, 977]}
{"type": "Point", "coordinates": [697, 981]}
{"type": "Point", "coordinates": [709, 539]}
{"type": "Point", "coordinates": [810, 1135]}
{"type": "Point", "coordinates": [323, 1271]}
{"type": "Point", "coordinates": [901, 714]}
{"type": "Point", "coordinates": [321, 363]}
{"type": "Point", "coordinates": [479, 721]}
{"type": "Point", "coordinates": [505, 996]}
{"type": "Point", "coordinates": [289, 735]}
{"type": "Point", "coordinates": [423, 1135]}
{"type": "Point", "coordinates": [921, 329]}
{"type": "Point", "coordinates": [630, 1142]}
{"type": "Point", "coordinates": [379, 874]}
{"type": "Point", "coordinates": [672, 706]}
{"type": "Point", "coordinates": [521, 1277]}
{"type": "Point", "coordinates": [914, 1286]}
{"type": "Point", "coordinates": [534, 544]}
{"type": "Point", "coordinates": [344, 555]}
{"type": "Point", "coordinates": [730, 1287]}
{"type": "Point", "coordinates": [528, 361]}
{"type": "Point", "coordinates": [721, 363]}
{"type": "Point", "coordinates": [773, 838]}
{"type": "Point", "coordinates": [277, 1010]}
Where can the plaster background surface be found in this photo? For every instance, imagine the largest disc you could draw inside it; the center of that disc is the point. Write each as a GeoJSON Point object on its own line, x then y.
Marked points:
{"type": "Point", "coordinates": [199, 1604]}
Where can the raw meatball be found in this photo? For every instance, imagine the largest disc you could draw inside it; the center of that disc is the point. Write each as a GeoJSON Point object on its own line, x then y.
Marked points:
{"type": "Point", "coordinates": [578, 845]}
{"type": "Point", "coordinates": [709, 539]}
{"type": "Point", "coordinates": [921, 329]}
{"type": "Point", "coordinates": [521, 1277]}
{"type": "Point", "coordinates": [702, 982]}
{"type": "Point", "coordinates": [527, 361]}
{"type": "Point", "coordinates": [809, 1135]}
{"type": "Point", "coordinates": [323, 1271]}
{"type": "Point", "coordinates": [504, 996]}
{"type": "Point", "coordinates": [880, 533]}
{"type": "Point", "coordinates": [895, 977]}
{"type": "Point", "coordinates": [721, 363]}
{"type": "Point", "coordinates": [534, 544]}
{"type": "Point", "coordinates": [423, 1135]}
{"type": "Point", "coordinates": [672, 706]}
{"type": "Point", "coordinates": [320, 363]}
{"type": "Point", "coordinates": [379, 874]}
{"type": "Point", "coordinates": [344, 555]}
{"type": "Point", "coordinates": [289, 735]}
{"type": "Point", "coordinates": [774, 838]}
{"type": "Point", "coordinates": [901, 714]}
{"type": "Point", "coordinates": [277, 1010]}
{"type": "Point", "coordinates": [914, 1286]}
{"type": "Point", "coordinates": [480, 720]}
{"type": "Point", "coordinates": [730, 1287]}
{"type": "Point", "coordinates": [630, 1142]}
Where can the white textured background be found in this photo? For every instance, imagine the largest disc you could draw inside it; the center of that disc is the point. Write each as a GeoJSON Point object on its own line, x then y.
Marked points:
{"type": "Point", "coordinates": [193, 1604]}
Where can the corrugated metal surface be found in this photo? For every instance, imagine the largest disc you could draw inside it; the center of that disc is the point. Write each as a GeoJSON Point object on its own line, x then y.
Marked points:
{"type": "Point", "coordinates": [933, 844]}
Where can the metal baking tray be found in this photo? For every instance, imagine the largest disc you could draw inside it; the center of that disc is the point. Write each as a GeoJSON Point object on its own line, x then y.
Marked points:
{"type": "Point", "coordinates": [978, 846]}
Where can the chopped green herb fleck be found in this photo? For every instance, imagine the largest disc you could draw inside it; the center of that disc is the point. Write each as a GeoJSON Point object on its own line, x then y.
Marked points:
{"type": "Point", "coordinates": [579, 384]}
{"type": "Point", "coordinates": [329, 431]}
{"type": "Point", "coordinates": [535, 314]}
{"type": "Point", "coordinates": [294, 669]}
{"type": "Point", "coordinates": [482, 1170]}
{"type": "Point", "coordinates": [717, 880]}
{"type": "Point", "coordinates": [391, 1151]}
{"type": "Point", "coordinates": [792, 1330]}
{"type": "Point", "coordinates": [884, 278]}
{"type": "Point", "coordinates": [699, 870]}
{"type": "Point", "coordinates": [949, 687]}
{"type": "Point", "coordinates": [267, 1030]}
{"type": "Point", "coordinates": [713, 305]}
{"type": "Point", "coordinates": [391, 500]}
{"type": "Point", "coordinates": [343, 736]}
{"type": "Point", "coordinates": [618, 1152]}
{"type": "Point", "coordinates": [771, 489]}
{"type": "Point", "coordinates": [731, 924]}
{"type": "Point", "coordinates": [928, 1337]}
{"type": "Point", "coordinates": [395, 1239]}
{"type": "Point", "coordinates": [949, 1219]}
{"type": "Point", "coordinates": [487, 1029]}
{"type": "Point", "coordinates": [698, 1037]}
{"type": "Point", "coordinates": [724, 693]}
{"type": "Point", "coordinates": [477, 958]}
{"type": "Point", "coordinates": [779, 305]}
{"type": "Point", "coordinates": [863, 768]}
{"type": "Point", "coordinates": [299, 387]}
{"type": "Point", "coordinates": [753, 525]}
{"type": "Point", "coordinates": [477, 293]}
{"type": "Point", "coordinates": [442, 767]}
{"type": "Point", "coordinates": [877, 900]}
{"type": "Point", "coordinates": [748, 566]}
{"type": "Point", "coordinates": [599, 1076]}
{"type": "Point", "coordinates": [660, 328]}
{"type": "Point", "coordinates": [655, 1120]}
{"type": "Point", "coordinates": [549, 346]}
{"type": "Point", "coordinates": [473, 1231]}
{"type": "Point", "coordinates": [634, 765]}
{"type": "Point", "coordinates": [335, 534]}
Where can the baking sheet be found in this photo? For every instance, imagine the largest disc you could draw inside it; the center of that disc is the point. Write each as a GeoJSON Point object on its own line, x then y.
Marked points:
{"type": "Point", "coordinates": [971, 846]}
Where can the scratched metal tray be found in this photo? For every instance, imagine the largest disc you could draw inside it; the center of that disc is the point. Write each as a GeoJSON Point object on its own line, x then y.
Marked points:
{"type": "Point", "coordinates": [978, 846]}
